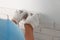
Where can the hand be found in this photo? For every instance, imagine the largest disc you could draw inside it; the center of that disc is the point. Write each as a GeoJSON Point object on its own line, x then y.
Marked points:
{"type": "Point", "coordinates": [19, 15]}
{"type": "Point", "coordinates": [33, 20]}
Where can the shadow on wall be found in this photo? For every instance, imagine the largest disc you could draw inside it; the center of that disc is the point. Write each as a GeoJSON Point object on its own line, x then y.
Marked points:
{"type": "Point", "coordinates": [45, 18]}
{"type": "Point", "coordinates": [46, 21]}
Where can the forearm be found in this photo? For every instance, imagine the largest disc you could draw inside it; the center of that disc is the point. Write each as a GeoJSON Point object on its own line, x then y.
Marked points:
{"type": "Point", "coordinates": [28, 32]}
{"type": "Point", "coordinates": [14, 21]}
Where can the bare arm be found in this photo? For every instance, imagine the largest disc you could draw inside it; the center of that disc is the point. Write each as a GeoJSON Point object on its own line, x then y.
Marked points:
{"type": "Point", "coordinates": [28, 32]}
{"type": "Point", "coordinates": [14, 21]}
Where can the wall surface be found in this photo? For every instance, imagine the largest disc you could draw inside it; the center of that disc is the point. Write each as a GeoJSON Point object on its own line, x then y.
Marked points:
{"type": "Point", "coordinates": [47, 7]}
{"type": "Point", "coordinates": [48, 29]}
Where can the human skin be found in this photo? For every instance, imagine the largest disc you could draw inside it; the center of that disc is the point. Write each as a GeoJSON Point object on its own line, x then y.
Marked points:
{"type": "Point", "coordinates": [28, 32]}
{"type": "Point", "coordinates": [28, 29]}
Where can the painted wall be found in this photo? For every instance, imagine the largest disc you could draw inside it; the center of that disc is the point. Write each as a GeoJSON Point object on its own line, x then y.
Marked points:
{"type": "Point", "coordinates": [47, 7]}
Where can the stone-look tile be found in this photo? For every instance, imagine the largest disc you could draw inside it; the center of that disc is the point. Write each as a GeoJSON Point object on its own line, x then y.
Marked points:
{"type": "Point", "coordinates": [57, 26]}
{"type": "Point", "coordinates": [56, 38]}
{"type": "Point", "coordinates": [42, 36]}
{"type": "Point", "coordinates": [50, 32]}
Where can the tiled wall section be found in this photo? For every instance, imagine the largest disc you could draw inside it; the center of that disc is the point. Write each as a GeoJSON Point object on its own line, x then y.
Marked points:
{"type": "Point", "coordinates": [47, 30]}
